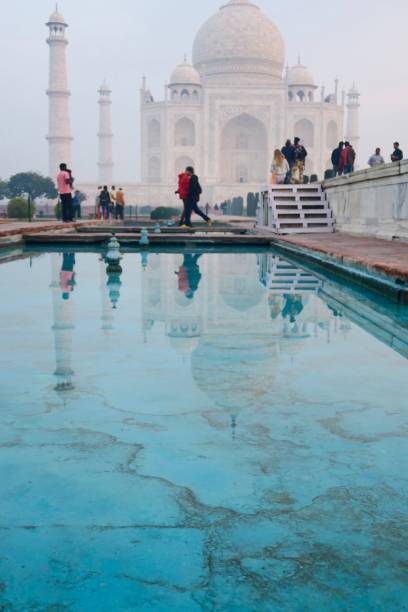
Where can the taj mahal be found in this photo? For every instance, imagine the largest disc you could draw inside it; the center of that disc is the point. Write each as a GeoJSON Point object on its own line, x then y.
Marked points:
{"type": "Point", "coordinates": [224, 113]}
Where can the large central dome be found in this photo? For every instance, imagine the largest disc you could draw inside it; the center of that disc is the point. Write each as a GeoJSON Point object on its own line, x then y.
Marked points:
{"type": "Point", "coordinates": [239, 40]}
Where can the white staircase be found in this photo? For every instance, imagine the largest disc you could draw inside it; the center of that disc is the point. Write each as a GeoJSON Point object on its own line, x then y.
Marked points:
{"type": "Point", "coordinates": [280, 276]}
{"type": "Point", "coordinates": [294, 209]}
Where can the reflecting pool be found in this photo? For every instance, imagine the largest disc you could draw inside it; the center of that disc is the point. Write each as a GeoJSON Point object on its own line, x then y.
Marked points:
{"type": "Point", "coordinates": [201, 431]}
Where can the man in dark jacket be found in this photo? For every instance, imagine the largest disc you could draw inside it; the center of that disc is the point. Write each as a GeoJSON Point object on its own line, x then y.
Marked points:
{"type": "Point", "coordinates": [300, 155]}
{"type": "Point", "coordinates": [193, 197]}
{"type": "Point", "coordinates": [335, 158]}
{"type": "Point", "coordinates": [289, 153]}
{"type": "Point", "coordinates": [397, 155]}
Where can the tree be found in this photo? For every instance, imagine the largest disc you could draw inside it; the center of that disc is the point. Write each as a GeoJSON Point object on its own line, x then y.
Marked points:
{"type": "Point", "coordinates": [18, 208]}
{"type": "Point", "coordinates": [4, 191]}
{"type": "Point", "coordinates": [163, 213]}
{"type": "Point", "coordinates": [34, 184]}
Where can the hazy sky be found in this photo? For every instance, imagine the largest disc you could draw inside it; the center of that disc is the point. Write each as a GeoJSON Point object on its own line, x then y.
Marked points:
{"type": "Point", "coordinates": [358, 40]}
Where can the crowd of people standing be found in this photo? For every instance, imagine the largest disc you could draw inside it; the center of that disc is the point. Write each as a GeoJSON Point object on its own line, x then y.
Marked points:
{"type": "Point", "coordinates": [110, 204]}
{"type": "Point", "coordinates": [288, 165]}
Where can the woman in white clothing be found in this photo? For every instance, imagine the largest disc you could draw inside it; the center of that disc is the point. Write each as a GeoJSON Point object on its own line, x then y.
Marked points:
{"type": "Point", "coordinates": [279, 168]}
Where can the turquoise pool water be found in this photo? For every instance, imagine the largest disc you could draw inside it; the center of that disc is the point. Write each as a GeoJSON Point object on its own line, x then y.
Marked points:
{"type": "Point", "coordinates": [232, 435]}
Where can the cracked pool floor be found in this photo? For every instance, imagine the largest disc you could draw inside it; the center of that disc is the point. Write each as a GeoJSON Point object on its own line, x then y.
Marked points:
{"type": "Point", "coordinates": [203, 454]}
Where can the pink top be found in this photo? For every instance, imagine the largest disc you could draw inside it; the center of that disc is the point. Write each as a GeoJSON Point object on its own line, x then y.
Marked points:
{"type": "Point", "coordinates": [63, 186]}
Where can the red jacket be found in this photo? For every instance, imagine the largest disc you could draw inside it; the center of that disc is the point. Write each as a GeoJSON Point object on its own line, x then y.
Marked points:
{"type": "Point", "coordinates": [183, 185]}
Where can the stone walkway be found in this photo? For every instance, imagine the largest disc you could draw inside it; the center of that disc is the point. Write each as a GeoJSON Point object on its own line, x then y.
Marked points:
{"type": "Point", "coordinates": [15, 228]}
{"type": "Point", "coordinates": [380, 256]}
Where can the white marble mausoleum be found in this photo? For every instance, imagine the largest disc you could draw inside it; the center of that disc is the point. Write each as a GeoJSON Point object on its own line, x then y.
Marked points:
{"type": "Point", "coordinates": [225, 112]}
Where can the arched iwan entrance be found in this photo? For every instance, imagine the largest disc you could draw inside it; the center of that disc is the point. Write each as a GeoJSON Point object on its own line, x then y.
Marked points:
{"type": "Point", "coordinates": [244, 151]}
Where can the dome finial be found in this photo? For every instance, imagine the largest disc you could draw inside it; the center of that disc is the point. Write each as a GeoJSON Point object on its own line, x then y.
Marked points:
{"type": "Point", "coordinates": [299, 59]}
{"type": "Point", "coordinates": [185, 58]}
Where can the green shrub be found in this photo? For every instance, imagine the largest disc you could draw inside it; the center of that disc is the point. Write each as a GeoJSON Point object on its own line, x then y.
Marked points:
{"type": "Point", "coordinates": [314, 178]}
{"type": "Point", "coordinates": [164, 213]}
{"type": "Point", "coordinates": [18, 208]}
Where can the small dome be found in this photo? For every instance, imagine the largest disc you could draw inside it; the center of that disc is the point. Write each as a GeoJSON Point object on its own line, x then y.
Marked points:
{"type": "Point", "coordinates": [56, 18]}
{"type": "Point", "coordinates": [354, 91]}
{"type": "Point", "coordinates": [299, 75]}
{"type": "Point", "coordinates": [185, 74]}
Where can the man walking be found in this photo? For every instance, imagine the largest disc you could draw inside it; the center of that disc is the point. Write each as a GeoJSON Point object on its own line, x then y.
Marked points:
{"type": "Point", "coordinates": [182, 191]}
{"type": "Point", "coordinates": [300, 155]}
{"type": "Point", "coordinates": [376, 159]}
{"type": "Point", "coordinates": [193, 197]}
{"type": "Point", "coordinates": [397, 155]}
{"type": "Point", "coordinates": [335, 158]}
{"type": "Point", "coordinates": [64, 183]}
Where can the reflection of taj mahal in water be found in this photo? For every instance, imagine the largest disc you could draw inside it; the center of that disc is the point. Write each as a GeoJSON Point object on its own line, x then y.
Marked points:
{"type": "Point", "coordinates": [224, 113]}
{"type": "Point", "coordinates": [231, 324]}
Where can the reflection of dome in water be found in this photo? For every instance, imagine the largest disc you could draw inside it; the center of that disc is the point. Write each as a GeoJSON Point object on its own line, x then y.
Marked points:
{"type": "Point", "coordinates": [235, 370]}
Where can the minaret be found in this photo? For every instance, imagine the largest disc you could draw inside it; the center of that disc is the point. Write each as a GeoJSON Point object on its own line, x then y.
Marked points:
{"type": "Point", "coordinates": [353, 118]}
{"type": "Point", "coordinates": [63, 329]}
{"type": "Point", "coordinates": [59, 131]}
{"type": "Point", "coordinates": [105, 136]}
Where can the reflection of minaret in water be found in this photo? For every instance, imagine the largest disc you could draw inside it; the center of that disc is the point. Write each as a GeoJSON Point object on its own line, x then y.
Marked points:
{"type": "Point", "coordinates": [107, 312]}
{"type": "Point", "coordinates": [62, 328]}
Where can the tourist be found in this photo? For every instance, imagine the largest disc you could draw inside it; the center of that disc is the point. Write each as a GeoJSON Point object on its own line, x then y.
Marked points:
{"type": "Point", "coordinates": [335, 158]}
{"type": "Point", "coordinates": [289, 152]}
{"type": "Point", "coordinates": [397, 155]}
{"type": "Point", "coordinates": [105, 202]}
{"type": "Point", "coordinates": [64, 183]}
{"type": "Point", "coordinates": [279, 168]}
{"type": "Point", "coordinates": [347, 159]}
{"type": "Point", "coordinates": [112, 202]}
{"type": "Point", "coordinates": [98, 212]}
{"type": "Point", "coordinates": [376, 159]}
{"type": "Point", "coordinates": [189, 276]}
{"type": "Point", "coordinates": [193, 197]}
{"type": "Point", "coordinates": [120, 204]}
{"type": "Point", "coordinates": [300, 155]}
{"type": "Point", "coordinates": [207, 208]}
{"type": "Point", "coordinates": [182, 191]}
{"type": "Point", "coordinates": [76, 205]}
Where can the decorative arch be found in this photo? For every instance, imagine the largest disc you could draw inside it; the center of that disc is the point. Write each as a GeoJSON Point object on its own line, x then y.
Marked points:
{"type": "Point", "coordinates": [154, 134]}
{"type": "Point", "coordinates": [304, 129]}
{"type": "Point", "coordinates": [310, 96]}
{"type": "Point", "coordinates": [174, 94]}
{"type": "Point", "coordinates": [244, 150]}
{"type": "Point", "coordinates": [154, 170]}
{"type": "Point", "coordinates": [184, 133]}
{"type": "Point", "coordinates": [185, 94]}
{"type": "Point", "coordinates": [182, 163]}
{"type": "Point", "coordinates": [332, 137]}
{"type": "Point", "coordinates": [196, 96]}
{"type": "Point", "coordinates": [300, 95]}
{"type": "Point", "coordinates": [290, 96]}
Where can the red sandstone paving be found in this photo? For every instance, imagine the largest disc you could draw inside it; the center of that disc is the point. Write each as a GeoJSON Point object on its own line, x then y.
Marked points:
{"type": "Point", "coordinates": [14, 228]}
{"type": "Point", "coordinates": [383, 256]}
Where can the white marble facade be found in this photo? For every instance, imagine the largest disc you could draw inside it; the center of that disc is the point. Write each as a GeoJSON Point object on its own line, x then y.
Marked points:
{"type": "Point", "coordinates": [227, 111]}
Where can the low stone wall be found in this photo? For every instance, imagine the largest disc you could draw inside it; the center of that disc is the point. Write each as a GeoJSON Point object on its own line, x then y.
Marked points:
{"type": "Point", "coordinates": [372, 202]}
